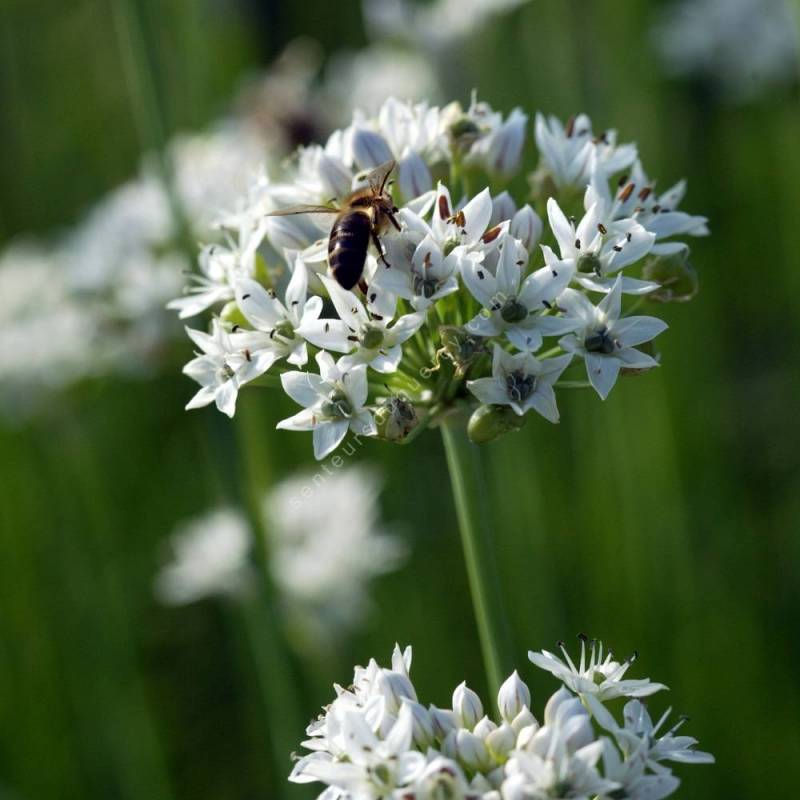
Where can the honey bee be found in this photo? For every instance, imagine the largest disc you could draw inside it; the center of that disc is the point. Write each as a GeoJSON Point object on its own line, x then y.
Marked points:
{"type": "Point", "coordinates": [363, 216]}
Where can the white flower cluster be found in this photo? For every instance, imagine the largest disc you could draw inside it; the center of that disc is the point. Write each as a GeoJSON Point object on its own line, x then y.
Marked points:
{"type": "Point", "coordinates": [466, 286]}
{"type": "Point", "coordinates": [326, 543]}
{"type": "Point", "coordinates": [376, 740]}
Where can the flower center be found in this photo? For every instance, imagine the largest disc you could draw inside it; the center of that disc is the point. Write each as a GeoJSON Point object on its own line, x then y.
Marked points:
{"type": "Point", "coordinates": [590, 263]}
{"type": "Point", "coordinates": [337, 405]}
{"type": "Point", "coordinates": [519, 385]}
{"type": "Point", "coordinates": [425, 286]}
{"type": "Point", "coordinates": [370, 336]}
{"type": "Point", "coordinates": [513, 311]}
{"type": "Point", "coordinates": [285, 329]}
{"type": "Point", "coordinates": [225, 372]}
{"type": "Point", "coordinates": [600, 342]}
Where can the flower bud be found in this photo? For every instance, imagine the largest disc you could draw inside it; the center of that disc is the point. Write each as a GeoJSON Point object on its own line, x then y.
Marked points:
{"type": "Point", "coordinates": [484, 727]}
{"type": "Point", "coordinates": [471, 751]}
{"type": "Point", "coordinates": [413, 175]}
{"type": "Point", "coordinates": [505, 146]}
{"type": "Point", "coordinates": [394, 687]}
{"type": "Point", "coordinates": [526, 225]}
{"type": "Point", "coordinates": [503, 208]}
{"type": "Point", "coordinates": [467, 706]}
{"type": "Point", "coordinates": [370, 149]}
{"type": "Point", "coordinates": [513, 696]}
{"type": "Point", "coordinates": [449, 747]}
{"type": "Point", "coordinates": [487, 423]}
{"type": "Point", "coordinates": [336, 178]}
{"type": "Point", "coordinates": [501, 741]}
{"type": "Point", "coordinates": [396, 418]}
{"type": "Point", "coordinates": [563, 707]}
{"type": "Point", "coordinates": [444, 721]}
{"type": "Point", "coordinates": [676, 275]}
{"type": "Point", "coordinates": [524, 720]}
{"type": "Point", "coordinates": [525, 736]}
{"type": "Point", "coordinates": [422, 728]}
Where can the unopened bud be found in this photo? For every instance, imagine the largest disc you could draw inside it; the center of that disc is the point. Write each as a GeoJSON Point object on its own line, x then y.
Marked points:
{"type": "Point", "coordinates": [444, 721]}
{"type": "Point", "coordinates": [526, 225]}
{"type": "Point", "coordinates": [394, 687]}
{"type": "Point", "coordinates": [676, 275]}
{"type": "Point", "coordinates": [370, 149]}
{"type": "Point", "coordinates": [413, 175]}
{"type": "Point", "coordinates": [503, 208]}
{"type": "Point", "coordinates": [524, 719]}
{"type": "Point", "coordinates": [484, 727]}
{"type": "Point", "coordinates": [501, 741]}
{"type": "Point", "coordinates": [422, 729]}
{"type": "Point", "coordinates": [505, 146]}
{"type": "Point", "coordinates": [513, 696]}
{"type": "Point", "coordinates": [487, 423]}
{"type": "Point", "coordinates": [467, 706]}
{"type": "Point", "coordinates": [471, 751]}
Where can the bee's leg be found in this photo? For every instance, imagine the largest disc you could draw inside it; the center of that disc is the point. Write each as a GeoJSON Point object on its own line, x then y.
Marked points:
{"type": "Point", "coordinates": [381, 255]}
{"type": "Point", "coordinates": [393, 219]}
{"type": "Point", "coordinates": [362, 284]}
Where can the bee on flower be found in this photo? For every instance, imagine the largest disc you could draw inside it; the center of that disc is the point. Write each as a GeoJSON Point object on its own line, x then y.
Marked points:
{"type": "Point", "coordinates": [380, 282]}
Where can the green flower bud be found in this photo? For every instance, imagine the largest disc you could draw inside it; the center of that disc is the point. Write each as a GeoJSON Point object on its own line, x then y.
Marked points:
{"type": "Point", "coordinates": [676, 275]}
{"type": "Point", "coordinates": [487, 423]}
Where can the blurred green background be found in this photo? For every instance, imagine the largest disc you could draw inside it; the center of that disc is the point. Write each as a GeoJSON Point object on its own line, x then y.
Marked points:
{"type": "Point", "coordinates": [665, 520]}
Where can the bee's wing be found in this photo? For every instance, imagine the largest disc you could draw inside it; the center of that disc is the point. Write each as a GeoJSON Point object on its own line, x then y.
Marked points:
{"type": "Point", "coordinates": [284, 212]}
{"type": "Point", "coordinates": [378, 177]}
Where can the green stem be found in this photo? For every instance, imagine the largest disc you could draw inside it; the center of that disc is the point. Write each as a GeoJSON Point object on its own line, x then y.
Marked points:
{"type": "Point", "coordinates": [139, 62]}
{"type": "Point", "coordinates": [469, 487]}
{"type": "Point", "coordinates": [276, 681]}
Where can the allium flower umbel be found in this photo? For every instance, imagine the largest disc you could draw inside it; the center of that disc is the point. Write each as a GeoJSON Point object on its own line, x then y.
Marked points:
{"type": "Point", "coordinates": [379, 739]}
{"type": "Point", "coordinates": [467, 299]}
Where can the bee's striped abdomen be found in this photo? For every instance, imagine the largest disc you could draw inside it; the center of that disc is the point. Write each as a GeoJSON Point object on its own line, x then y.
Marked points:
{"type": "Point", "coordinates": [347, 247]}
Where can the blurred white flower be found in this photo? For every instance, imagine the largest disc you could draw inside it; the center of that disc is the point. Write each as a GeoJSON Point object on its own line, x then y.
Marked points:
{"type": "Point", "coordinates": [365, 78]}
{"type": "Point", "coordinates": [209, 557]}
{"type": "Point", "coordinates": [433, 26]}
{"type": "Point", "coordinates": [45, 335]}
{"type": "Point", "coordinates": [743, 47]}
{"type": "Point", "coordinates": [327, 542]}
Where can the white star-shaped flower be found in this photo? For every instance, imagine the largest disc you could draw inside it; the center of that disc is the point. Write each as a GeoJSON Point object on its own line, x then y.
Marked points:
{"type": "Point", "coordinates": [221, 265]}
{"type": "Point", "coordinates": [600, 247]}
{"type": "Point", "coordinates": [367, 339]}
{"type": "Point", "coordinates": [333, 403]}
{"type": "Point", "coordinates": [275, 323]}
{"type": "Point", "coordinates": [516, 307]}
{"type": "Point", "coordinates": [600, 675]}
{"type": "Point", "coordinates": [223, 366]}
{"type": "Point", "coordinates": [606, 341]}
{"type": "Point", "coordinates": [522, 382]}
